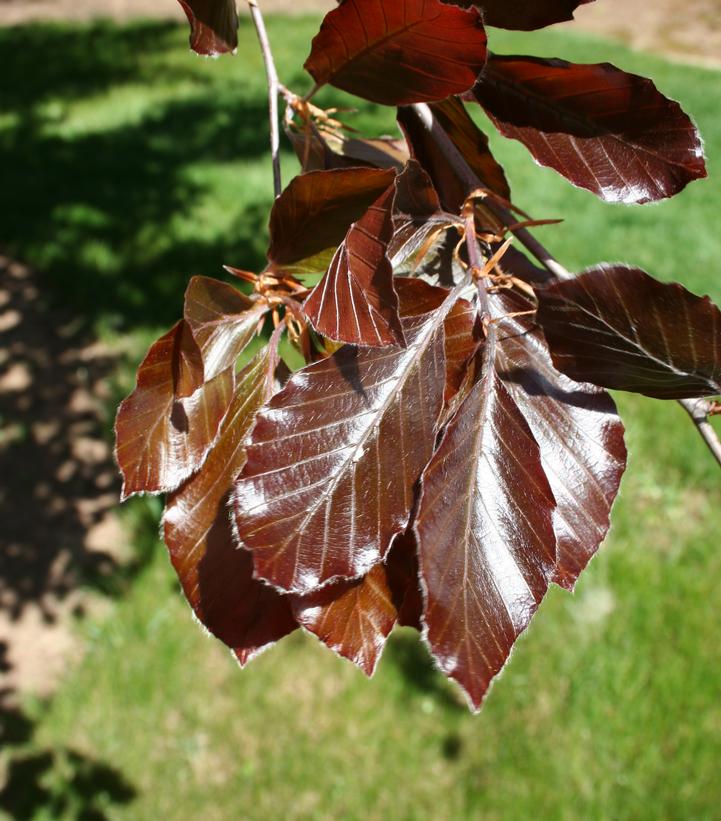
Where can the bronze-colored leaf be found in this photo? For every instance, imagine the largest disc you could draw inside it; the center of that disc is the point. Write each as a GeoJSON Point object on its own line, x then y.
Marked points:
{"type": "Point", "coordinates": [213, 25]}
{"type": "Point", "coordinates": [161, 439]}
{"type": "Point", "coordinates": [523, 15]}
{"type": "Point", "coordinates": [620, 328]}
{"type": "Point", "coordinates": [398, 52]}
{"type": "Point", "coordinates": [216, 576]}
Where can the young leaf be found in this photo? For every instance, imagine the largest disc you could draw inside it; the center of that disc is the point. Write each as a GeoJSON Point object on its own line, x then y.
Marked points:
{"type": "Point", "coordinates": [620, 328]}
{"type": "Point", "coordinates": [487, 550]}
{"type": "Point", "coordinates": [213, 25]}
{"type": "Point", "coordinates": [398, 52]}
{"type": "Point", "coordinates": [452, 116]}
{"type": "Point", "coordinates": [610, 132]}
{"type": "Point", "coordinates": [223, 321]}
{"type": "Point", "coordinates": [162, 439]}
{"type": "Point", "coordinates": [334, 458]}
{"type": "Point", "coordinates": [577, 429]}
{"type": "Point", "coordinates": [315, 210]}
{"type": "Point", "coordinates": [523, 15]}
{"type": "Point", "coordinates": [216, 576]}
{"type": "Point", "coordinates": [356, 302]}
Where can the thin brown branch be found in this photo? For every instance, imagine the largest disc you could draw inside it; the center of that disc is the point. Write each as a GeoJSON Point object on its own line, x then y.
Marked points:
{"type": "Point", "coordinates": [697, 409]}
{"type": "Point", "coordinates": [274, 89]}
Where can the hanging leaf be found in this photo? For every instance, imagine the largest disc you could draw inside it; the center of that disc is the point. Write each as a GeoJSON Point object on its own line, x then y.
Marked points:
{"type": "Point", "coordinates": [160, 439]}
{"type": "Point", "coordinates": [610, 132]}
{"type": "Point", "coordinates": [323, 152]}
{"type": "Point", "coordinates": [213, 26]}
{"type": "Point", "coordinates": [315, 210]}
{"type": "Point", "coordinates": [356, 302]}
{"type": "Point", "coordinates": [523, 15]}
{"type": "Point", "coordinates": [487, 549]}
{"type": "Point", "coordinates": [217, 578]}
{"type": "Point", "coordinates": [398, 52]}
{"type": "Point", "coordinates": [578, 431]}
{"type": "Point", "coordinates": [334, 458]}
{"type": "Point", "coordinates": [453, 118]}
{"type": "Point", "coordinates": [222, 320]}
{"type": "Point", "coordinates": [620, 328]}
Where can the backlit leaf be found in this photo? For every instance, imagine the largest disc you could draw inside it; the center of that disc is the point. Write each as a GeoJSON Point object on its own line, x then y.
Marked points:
{"type": "Point", "coordinates": [213, 25]}
{"type": "Point", "coordinates": [334, 458]}
{"type": "Point", "coordinates": [610, 132]}
{"type": "Point", "coordinates": [161, 439]}
{"type": "Point", "coordinates": [356, 302]}
{"type": "Point", "coordinates": [314, 212]}
{"type": "Point", "coordinates": [620, 328]}
{"type": "Point", "coordinates": [487, 549]}
{"type": "Point", "coordinates": [398, 52]}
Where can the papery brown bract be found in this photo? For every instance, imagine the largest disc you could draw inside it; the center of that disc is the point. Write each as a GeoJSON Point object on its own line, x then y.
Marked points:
{"type": "Point", "coordinates": [610, 132]}
{"type": "Point", "coordinates": [620, 328]}
{"type": "Point", "coordinates": [577, 429]}
{"type": "Point", "coordinates": [314, 212]}
{"type": "Point", "coordinates": [356, 302]}
{"type": "Point", "coordinates": [161, 439]}
{"type": "Point", "coordinates": [213, 26]}
{"type": "Point", "coordinates": [216, 577]}
{"type": "Point", "coordinates": [334, 458]}
{"type": "Point", "coordinates": [523, 15]}
{"type": "Point", "coordinates": [486, 545]}
{"type": "Point", "coordinates": [398, 52]}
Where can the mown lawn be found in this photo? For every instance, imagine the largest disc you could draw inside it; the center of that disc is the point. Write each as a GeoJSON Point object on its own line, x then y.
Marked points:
{"type": "Point", "coordinates": [129, 165]}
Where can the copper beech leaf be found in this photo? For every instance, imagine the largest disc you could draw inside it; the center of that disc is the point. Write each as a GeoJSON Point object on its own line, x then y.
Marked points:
{"type": "Point", "coordinates": [578, 431]}
{"type": "Point", "coordinates": [620, 328]}
{"type": "Point", "coordinates": [610, 132]}
{"type": "Point", "coordinates": [322, 152]}
{"type": "Point", "coordinates": [523, 15]}
{"type": "Point", "coordinates": [356, 302]}
{"type": "Point", "coordinates": [216, 577]}
{"type": "Point", "coordinates": [334, 458]}
{"type": "Point", "coordinates": [222, 320]}
{"type": "Point", "coordinates": [486, 545]}
{"type": "Point", "coordinates": [161, 439]}
{"type": "Point", "coordinates": [213, 25]}
{"type": "Point", "coordinates": [398, 52]}
{"type": "Point", "coordinates": [313, 213]}
{"type": "Point", "coordinates": [453, 118]}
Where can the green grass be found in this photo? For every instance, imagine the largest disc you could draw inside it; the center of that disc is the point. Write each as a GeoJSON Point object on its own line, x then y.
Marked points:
{"type": "Point", "coordinates": [130, 165]}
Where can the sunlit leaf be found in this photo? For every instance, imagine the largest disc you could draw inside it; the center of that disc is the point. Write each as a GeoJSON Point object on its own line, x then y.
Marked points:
{"type": "Point", "coordinates": [213, 25]}
{"type": "Point", "coordinates": [398, 52]}
{"type": "Point", "coordinates": [610, 132]}
{"type": "Point", "coordinates": [620, 328]}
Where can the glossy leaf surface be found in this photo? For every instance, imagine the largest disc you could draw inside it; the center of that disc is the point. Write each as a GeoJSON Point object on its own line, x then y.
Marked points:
{"type": "Point", "coordinates": [620, 328]}
{"type": "Point", "coordinates": [334, 458]}
{"type": "Point", "coordinates": [161, 439]}
{"type": "Point", "coordinates": [485, 534]}
{"type": "Point", "coordinates": [356, 302]}
{"type": "Point", "coordinates": [523, 15]}
{"type": "Point", "coordinates": [216, 576]}
{"type": "Point", "coordinates": [398, 52]}
{"type": "Point", "coordinates": [577, 429]}
{"type": "Point", "coordinates": [610, 132]}
{"type": "Point", "coordinates": [314, 212]}
{"type": "Point", "coordinates": [213, 25]}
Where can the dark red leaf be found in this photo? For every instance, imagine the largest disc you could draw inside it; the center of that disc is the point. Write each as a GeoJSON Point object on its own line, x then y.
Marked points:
{"type": "Point", "coordinates": [577, 429]}
{"type": "Point", "coordinates": [603, 129]}
{"type": "Point", "coordinates": [334, 458]}
{"type": "Point", "coordinates": [161, 439]}
{"type": "Point", "coordinates": [314, 212]}
{"type": "Point", "coordinates": [620, 328]}
{"type": "Point", "coordinates": [402, 569]}
{"type": "Point", "coordinates": [398, 52]}
{"type": "Point", "coordinates": [487, 549]}
{"type": "Point", "coordinates": [223, 321]}
{"type": "Point", "coordinates": [216, 576]}
{"type": "Point", "coordinates": [213, 25]}
{"type": "Point", "coordinates": [452, 116]}
{"type": "Point", "coordinates": [356, 302]}
{"type": "Point", "coordinates": [523, 15]}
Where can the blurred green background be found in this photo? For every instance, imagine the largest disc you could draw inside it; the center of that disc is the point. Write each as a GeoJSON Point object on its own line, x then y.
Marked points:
{"type": "Point", "coordinates": [129, 165]}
